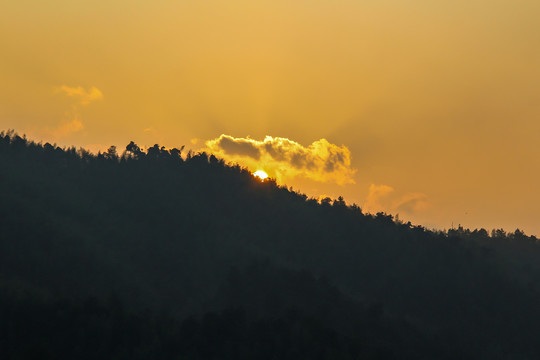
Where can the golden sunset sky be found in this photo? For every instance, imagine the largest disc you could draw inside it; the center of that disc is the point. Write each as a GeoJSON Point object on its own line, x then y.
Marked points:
{"type": "Point", "coordinates": [429, 109]}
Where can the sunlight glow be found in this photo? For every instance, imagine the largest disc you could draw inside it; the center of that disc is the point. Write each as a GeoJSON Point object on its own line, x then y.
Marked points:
{"type": "Point", "coordinates": [260, 174]}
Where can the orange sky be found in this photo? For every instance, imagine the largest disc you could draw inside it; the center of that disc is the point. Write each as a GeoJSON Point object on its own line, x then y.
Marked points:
{"type": "Point", "coordinates": [426, 108]}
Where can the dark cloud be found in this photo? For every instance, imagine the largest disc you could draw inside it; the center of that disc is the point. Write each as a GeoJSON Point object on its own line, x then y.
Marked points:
{"type": "Point", "coordinates": [240, 147]}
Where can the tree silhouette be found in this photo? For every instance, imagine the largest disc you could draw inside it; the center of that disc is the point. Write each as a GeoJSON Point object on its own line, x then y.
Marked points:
{"type": "Point", "coordinates": [205, 261]}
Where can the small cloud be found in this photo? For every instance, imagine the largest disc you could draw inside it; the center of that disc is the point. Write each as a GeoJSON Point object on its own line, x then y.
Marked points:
{"type": "Point", "coordinates": [71, 122]}
{"type": "Point", "coordinates": [195, 141]}
{"type": "Point", "coordinates": [62, 130]}
{"type": "Point", "coordinates": [283, 158]}
{"type": "Point", "coordinates": [376, 195]}
{"type": "Point", "coordinates": [84, 97]}
{"type": "Point", "coordinates": [412, 203]}
{"type": "Point", "coordinates": [384, 198]}
{"type": "Point", "coordinates": [67, 128]}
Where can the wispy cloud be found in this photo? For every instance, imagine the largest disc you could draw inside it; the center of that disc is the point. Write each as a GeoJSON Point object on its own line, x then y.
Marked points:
{"type": "Point", "coordinates": [376, 197]}
{"type": "Point", "coordinates": [412, 203]}
{"type": "Point", "coordinates": [66, 129]}
{"type": "Point", "coordinates": [283, 158]}
{"type": "Point", "coordinates": [84, 97]}
{"type": "Point", "coordinates": [384, 198]}
{"type": "Point", "coordinates": [72, 122]}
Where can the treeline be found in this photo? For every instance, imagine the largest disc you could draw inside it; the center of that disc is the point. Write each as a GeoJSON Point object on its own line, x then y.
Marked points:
{"type": "Point", "coordinates": [172, 236]}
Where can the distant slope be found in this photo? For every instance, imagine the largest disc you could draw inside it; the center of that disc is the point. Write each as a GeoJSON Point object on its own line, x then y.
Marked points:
{"type": "Point", "coordinates": [189, 235]}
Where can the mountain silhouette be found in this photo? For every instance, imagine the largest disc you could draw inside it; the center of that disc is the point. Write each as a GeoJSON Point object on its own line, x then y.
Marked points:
{"type": "Point", "coordinates": [164, 255]}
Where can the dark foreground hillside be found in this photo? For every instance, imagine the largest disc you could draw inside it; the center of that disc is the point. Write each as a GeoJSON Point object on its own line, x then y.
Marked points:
{"type": "Point", "coordinates": [151, 255]}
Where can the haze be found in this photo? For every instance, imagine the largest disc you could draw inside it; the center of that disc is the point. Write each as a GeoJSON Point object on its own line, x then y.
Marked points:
{"type": "Point", "coordinates": [427, 109]}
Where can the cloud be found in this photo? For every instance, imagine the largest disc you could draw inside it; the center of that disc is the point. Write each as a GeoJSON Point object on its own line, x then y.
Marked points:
{"type": "Point", "coordinates": [240, 147]}
{"type": "Point", "coordinates": [412, 203]}
{"type": "Point", "coordinates": [55, 133]}
{"type": "Point", "coordinates": [376, 195]}
{"type": "Point", "coordinates": [150, 131]}
{"type": "Point", "coordinates": [384, 198]}
{"type": "Point", "coordinates": [72, 120]}
{"type": "Point", "coordinates": [67, 128]}
{"type": "Point", "coordinates": [282, 158]}
{"type": "Point", "coordinates": [84, 97]}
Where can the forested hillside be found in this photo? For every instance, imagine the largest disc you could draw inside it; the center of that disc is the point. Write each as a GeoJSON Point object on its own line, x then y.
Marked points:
{"type": "Point", "coordinates": [155, 254]}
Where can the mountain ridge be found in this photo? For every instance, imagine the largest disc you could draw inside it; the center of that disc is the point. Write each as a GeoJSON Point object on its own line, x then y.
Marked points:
{"type": "Point", "coordinates": [191, 235]}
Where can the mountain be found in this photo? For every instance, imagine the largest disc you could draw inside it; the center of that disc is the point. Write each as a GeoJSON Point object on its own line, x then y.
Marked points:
{"type": "Point", "coordinates": [156, 254]}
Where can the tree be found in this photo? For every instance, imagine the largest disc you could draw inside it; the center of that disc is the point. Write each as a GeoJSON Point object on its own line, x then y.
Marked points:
{"type": "Point", "coordinates": [111, 153]}
{"type": "Point", "coordinates": [133, 150]}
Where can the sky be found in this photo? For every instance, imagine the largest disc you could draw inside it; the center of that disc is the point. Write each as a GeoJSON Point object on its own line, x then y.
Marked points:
{"type": "Point", "coordinates": [426, 109]}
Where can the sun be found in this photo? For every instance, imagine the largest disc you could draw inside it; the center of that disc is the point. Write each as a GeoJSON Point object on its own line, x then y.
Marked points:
{"type": "Point", "coordinates": [260, 174]}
